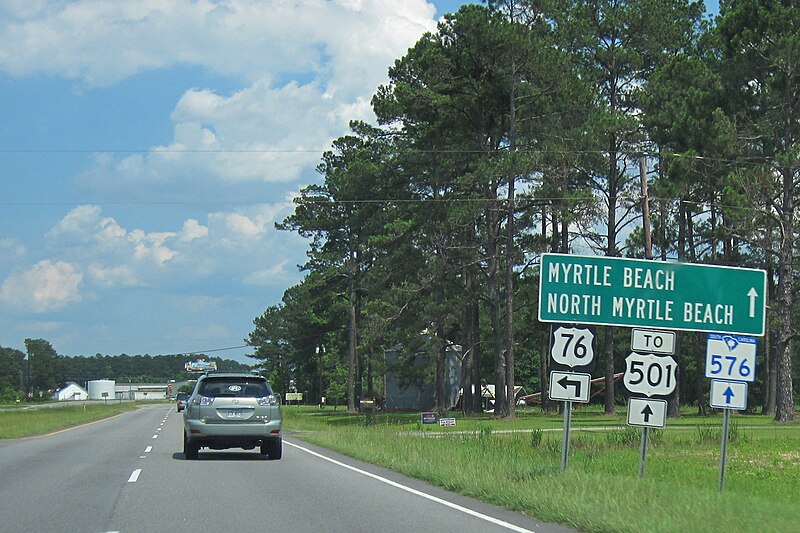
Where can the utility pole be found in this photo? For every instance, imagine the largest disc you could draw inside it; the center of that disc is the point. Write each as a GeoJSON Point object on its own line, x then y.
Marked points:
{"type": "Point", "coordinates": [28, 388]}
{"type": "Point", "coordinates": [648, 243]}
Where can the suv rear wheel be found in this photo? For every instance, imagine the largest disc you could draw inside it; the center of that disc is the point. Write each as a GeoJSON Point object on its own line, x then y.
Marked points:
{"type": "Point", "coordinates": [272, 448]}
{"type": "Point", "coordinates": [190, 450]}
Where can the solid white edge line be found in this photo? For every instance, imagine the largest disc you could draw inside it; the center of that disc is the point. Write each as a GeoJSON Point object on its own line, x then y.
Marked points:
{"type": "Point", "coordinates": [135, 475]}
{"type": "Point", "coordinates": [416, 492]}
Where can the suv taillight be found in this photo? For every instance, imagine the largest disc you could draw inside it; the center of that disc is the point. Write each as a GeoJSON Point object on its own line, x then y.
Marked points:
{"type": "Point", "coordinates": [202, 400]}
{"type": "Point", "coordinates": [269, 400]}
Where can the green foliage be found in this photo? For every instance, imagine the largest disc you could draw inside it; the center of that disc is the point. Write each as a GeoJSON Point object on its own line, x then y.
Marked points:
{"type": "Point", "coordinates": [600, 490]}
{"type": "Point", "coordinates": [536, 437]}
{"type": "Point", "coordinates": [709, 434]}
{"type": "Point", "coordinates": [24, 423]}
{"type": "Point", "coordinates": [49, 370]}
{"type": "Point", "coordinates": [624, 436]}
{"type": "Point", "coordinates": [414, 222]}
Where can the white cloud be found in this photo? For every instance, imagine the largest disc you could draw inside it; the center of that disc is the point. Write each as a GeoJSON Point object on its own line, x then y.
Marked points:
{"type": "Point", "coordinates": [266, 85]}
{"type": "Point", "coordinates": [121, 275]}
{"type": "Point", "coordinates": [47, 286]}
{"type": "Point", "coordinates": [306, 68]}
{"type": "Point", "coordinates": [245, 225]}
{"type": "Point", "coordinates": [275, 275]}
{"type": "Point", "coordinates": [102, 42]}
{"type": "Point", "coordinates": [11, 249]}
{"type": "Point", "coordinates": [192, 230]}
{"type": "Point", "coordinates": [233, 244]}
{"type": "Point", "coordinates": [151, 246]}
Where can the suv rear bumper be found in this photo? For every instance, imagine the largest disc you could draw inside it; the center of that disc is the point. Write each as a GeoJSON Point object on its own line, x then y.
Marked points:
{"type": "Point", "coordinates": [231, 434]}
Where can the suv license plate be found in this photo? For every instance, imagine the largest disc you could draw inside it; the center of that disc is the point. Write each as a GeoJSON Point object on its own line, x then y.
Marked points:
{"type": "Point", "coordinates": [235, 413]}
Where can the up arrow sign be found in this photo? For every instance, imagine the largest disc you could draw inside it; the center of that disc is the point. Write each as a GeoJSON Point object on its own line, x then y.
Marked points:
{"type": "Point", "coordinates": [646, 412]}
{"type": "Point", "coordinates": [752, 294]}
{"type": "Point", "coordinates": [728, 394]}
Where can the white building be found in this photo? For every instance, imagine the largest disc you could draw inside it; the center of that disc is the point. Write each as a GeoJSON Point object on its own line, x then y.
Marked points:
{"type": "Point", "coordinates": [70, 391]}
{"type": "Point", "coordinates": [141, 391]}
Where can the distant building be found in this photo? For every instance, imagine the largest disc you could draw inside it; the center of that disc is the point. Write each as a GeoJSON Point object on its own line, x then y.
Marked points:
{"type": "Point", "coordinates": [487, 395]}
{"type": "Point", "coordinates": [70, 391]}
{"type": "Point", "coordinates": [420, 395]}
{"type": "Point", "coordinates": [140, 391]}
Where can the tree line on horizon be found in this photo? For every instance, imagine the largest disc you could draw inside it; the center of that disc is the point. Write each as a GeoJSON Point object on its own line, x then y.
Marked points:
{"type": "Point", "coordinates": [530, 126]}
{"type": "Point", "coordinates": [40, 369]}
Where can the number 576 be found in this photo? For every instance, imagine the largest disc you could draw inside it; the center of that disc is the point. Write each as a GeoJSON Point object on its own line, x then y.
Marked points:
{"type": "Point", "coordinates": [719, 362]}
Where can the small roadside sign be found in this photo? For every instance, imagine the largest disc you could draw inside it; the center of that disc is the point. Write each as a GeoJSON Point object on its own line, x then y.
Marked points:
{"type": "Point", "coordinates": [572, 347]}
{"type": "Point", "coordinates": [646, 412]}
{"type": "Point", "coordinates": [653, 341]}
{"type": "Point", "coordinates": [447, 422]}
{"type": "Point", "coordinates": [728, 394]}
{"type": "Point", "coordinates": [731, 357]}
{"type": "Point", "coordinates": [428, 418]}
{"type": "Point", "coordinates": [570, 386]}
{"type": "Point", "coordinates": [649, 374]}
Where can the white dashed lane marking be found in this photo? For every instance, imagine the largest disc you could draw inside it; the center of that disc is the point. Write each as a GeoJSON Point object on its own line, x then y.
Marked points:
{"type": "Point", "coordinates": [135, 475]}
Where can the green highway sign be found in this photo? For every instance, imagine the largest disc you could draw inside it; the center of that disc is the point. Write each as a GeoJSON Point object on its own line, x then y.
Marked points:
{"type": "Point", "coordinates": [615, 291]}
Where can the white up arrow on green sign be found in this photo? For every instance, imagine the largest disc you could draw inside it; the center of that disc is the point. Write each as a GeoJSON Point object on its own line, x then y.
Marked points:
{"type": "Point", "coordinates": [635, 292]}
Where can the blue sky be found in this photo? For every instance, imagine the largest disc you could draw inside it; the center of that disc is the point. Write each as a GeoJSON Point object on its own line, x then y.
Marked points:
{"type": "Point", "coordinates": [149, 146]}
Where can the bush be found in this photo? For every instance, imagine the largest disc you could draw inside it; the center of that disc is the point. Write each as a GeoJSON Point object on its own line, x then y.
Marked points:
{"type": "Point", "coordinates": [536, 437]}
{"type": "Point", "coordinates": [10, 395]}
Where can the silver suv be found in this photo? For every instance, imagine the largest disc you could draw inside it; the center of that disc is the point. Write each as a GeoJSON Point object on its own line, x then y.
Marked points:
{"type": "Point", "coordinates": [228, 410]}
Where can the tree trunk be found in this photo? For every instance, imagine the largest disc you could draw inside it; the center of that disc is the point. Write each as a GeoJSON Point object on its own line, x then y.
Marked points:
{"type": "Point", "coordinates": [467, 360]}
{"type": "Point", "coordinates": [441, 370]}
{"type": "Point", "coordinates": [493, 282]}
{"type": "Point", "coordinates": [475, 342]}
{"type": "Point", "coordinates": [696, 343]}
{"type": "Point", "coordinates": [510, 230]}
{"type": "Point", "coordinates": [784, 398]}
{"type": "Point", "coordinates": [352, 354]}
{"type": "Point", "coordinates": [611, 251]}
{"type": "Point", "coordinates": [768, 393]}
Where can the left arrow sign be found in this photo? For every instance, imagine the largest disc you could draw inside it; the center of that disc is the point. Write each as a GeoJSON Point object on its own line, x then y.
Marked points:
{"type": "Point", "coordinates": [566, 382]}
{"type": "Point", "coordinates": [569, 386]}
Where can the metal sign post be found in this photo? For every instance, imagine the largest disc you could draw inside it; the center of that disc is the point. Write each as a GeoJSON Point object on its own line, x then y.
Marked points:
{"type": "Point", "coordinates": [565, 437]}
{"type": "Point", "coordinates": [643, 452]}
{"type": "Point", "coordinates": [571, 347]}
{"type": "Point", "coordinates": [651, 375]}
{"type": "Point", "coordinates": [730, 363]}
{"type": "Point", "coordinates": [726, 418]}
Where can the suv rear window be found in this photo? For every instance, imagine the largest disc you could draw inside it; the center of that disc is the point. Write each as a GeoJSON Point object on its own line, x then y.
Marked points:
{"type": "Point", "coordinates": [235, 387]}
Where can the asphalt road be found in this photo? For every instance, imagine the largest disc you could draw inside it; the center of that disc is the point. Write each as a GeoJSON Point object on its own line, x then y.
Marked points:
{"type": "Point", "coordinates": [128, 474]}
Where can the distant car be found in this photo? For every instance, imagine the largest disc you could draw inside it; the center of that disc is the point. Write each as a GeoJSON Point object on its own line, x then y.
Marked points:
{"type": "Point", "coordinates": [181, 398]}
{"type": "Point", "coordinates": [232, 410]}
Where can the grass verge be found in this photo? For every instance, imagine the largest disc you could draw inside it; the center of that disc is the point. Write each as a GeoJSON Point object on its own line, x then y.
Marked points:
{"type": "Point", "coordinates": [517, 464]}
{"type": "Point", "coordinates": [41, 420]}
